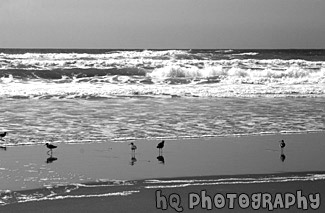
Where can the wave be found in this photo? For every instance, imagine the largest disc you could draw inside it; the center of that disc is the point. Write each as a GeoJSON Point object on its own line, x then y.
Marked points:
{"type": "Point", "coordinates": [116, 119]}
{"type": "Point", "coordinates": [62, 191]}
{"type": "Point", "coordinates": [248, 53]}
{"type": "Point", "coordinates": [173, 81]}
{"type": "Point", "coordinates": [70, 73]}
{"type": "Point", "coordinates": [76, 191]}
{"type": "Point", "coordinates": [171, 89]}
{"type": "Point", "coordinates": [147, 60]}
{"type": "Point", "coordinates": [257, 179]}
{"type": "Point", "coordinates": [22, 198]}
{"type": "Point", "coordinates": [93, 91]}
{"type": "Point", "coordinates": [99, 139]}
{"type": "Point", "coordinates": [198, 73]}
{"type": "Point", "coordinates": [252, 75]}
{"type": "Point", "coordinates": [190, 73]}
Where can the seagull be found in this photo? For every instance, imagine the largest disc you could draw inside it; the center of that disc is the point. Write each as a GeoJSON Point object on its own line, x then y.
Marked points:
{"type": "Point", "coordinates": [282, 144]}
{"type": "Point", "coordinates": [133, 147]}
{"type": "Point", "coordinates": [160, 145]}
{"type": "Point", "coordinates": [50, 146]}
{"type": "Point", "coordinates": [2, 135]}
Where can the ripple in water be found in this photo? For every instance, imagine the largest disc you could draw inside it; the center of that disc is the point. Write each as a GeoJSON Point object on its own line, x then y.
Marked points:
{"type": "Point", "coordinates": [33, 121]}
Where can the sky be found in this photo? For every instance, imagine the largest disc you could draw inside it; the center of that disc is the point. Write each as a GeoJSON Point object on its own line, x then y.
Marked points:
{"type": "Point", "coordinates": [162, 24]}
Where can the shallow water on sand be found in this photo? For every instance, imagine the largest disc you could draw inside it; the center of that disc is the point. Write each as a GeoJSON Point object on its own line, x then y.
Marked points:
{"type": "Point", "coordinates": [31, 121]}
{"type": "Point", "coordinates": [110, 169]}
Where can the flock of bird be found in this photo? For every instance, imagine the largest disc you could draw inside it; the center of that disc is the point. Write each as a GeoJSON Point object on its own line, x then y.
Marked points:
{"type": "Point", "coordinates": [133, 146]}
{"type": "Point", "coordinates": [160, 158]}
{"type": "Point", "coordinates": [160, 146]}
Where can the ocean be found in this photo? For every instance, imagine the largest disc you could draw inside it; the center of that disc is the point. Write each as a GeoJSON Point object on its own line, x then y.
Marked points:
{"type": "Point", "coordinates": [93, 103]}
{"type": "Point", "coordinates": [85, 95]}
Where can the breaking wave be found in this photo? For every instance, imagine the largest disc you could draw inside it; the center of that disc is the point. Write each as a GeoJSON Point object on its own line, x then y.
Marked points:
{"type": "Point", "coordinates": [197, 73]}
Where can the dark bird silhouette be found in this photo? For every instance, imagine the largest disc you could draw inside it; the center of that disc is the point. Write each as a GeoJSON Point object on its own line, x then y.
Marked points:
{"type": "Point", "coordinates": [160, 146]}
{"type": "Point", "coordinates": [282, 144]}
{"type": "Point", "coordinates": [51, 159]}
{"type": "Point", "coordinates": [133, 147]}
{"type": "Point", "coordinates": [50, 146]}
{"type": "Point", "coordinates": [282, 157]}
{"type": "Point", "coordinates": [2, 135]}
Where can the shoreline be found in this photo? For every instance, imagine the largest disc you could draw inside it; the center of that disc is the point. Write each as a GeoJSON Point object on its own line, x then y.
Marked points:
{"type": "Point", "coordinates": [180, 158]}
{"type": "Point", "coordinates": [150, 196]}
{"type": "Point", "coordinates": [108, 171]}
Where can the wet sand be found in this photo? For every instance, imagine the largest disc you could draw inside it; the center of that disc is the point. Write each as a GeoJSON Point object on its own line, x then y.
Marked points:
{"type": "Point", "coordinates": [146, 200]}
{"type": "Point", "coordinates": [25, 168]}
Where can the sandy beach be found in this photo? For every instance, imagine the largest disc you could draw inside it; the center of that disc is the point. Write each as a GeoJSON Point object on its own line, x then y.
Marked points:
{"type": "Point", "coordinates": [107, 177]}
{"type": "Point", "coordinates": [234, 89]}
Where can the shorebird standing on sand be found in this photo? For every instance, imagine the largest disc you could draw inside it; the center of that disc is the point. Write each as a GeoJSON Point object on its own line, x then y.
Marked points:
{"type": "Point", "coordinates": [160, 146]}
{"type": "Point", "coordinates": [2, 135]}
{"type": "Point", "coordinates": [50, 146]}
{"type": "Point", "coordinates": [133, 147]}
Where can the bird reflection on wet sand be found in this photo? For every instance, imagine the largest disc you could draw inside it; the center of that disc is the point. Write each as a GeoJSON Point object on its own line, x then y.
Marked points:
{"type": "Point", "coordinates": [282, 156]}
{"type": "Point", "coordinates": [133, 160]}
{"type": "Point", "coordinates": [50, 159]}
{"type": "Point", "coordinates": [161, 159]}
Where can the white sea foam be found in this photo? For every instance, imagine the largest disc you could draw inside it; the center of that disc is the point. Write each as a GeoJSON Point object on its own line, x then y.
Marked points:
{"type": "Point", "coordinates": [175, 77]}
{"type": "Point", "coordinates": [124, 193]}
{"type": "Point", "coordinates": [225, 181]}
{"type": "Point", "coordinates": [21, 198]}
{"type": "Point", "coordinates": [232, 87]}
{"type": "Point", "coordinates": [148, 72]}
{"type": "Point", "coordinates": [248, 53]}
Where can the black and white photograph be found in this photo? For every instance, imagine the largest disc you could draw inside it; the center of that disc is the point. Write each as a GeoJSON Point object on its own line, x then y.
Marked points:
{"type": "Point", "coordinates": [162, 106]}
